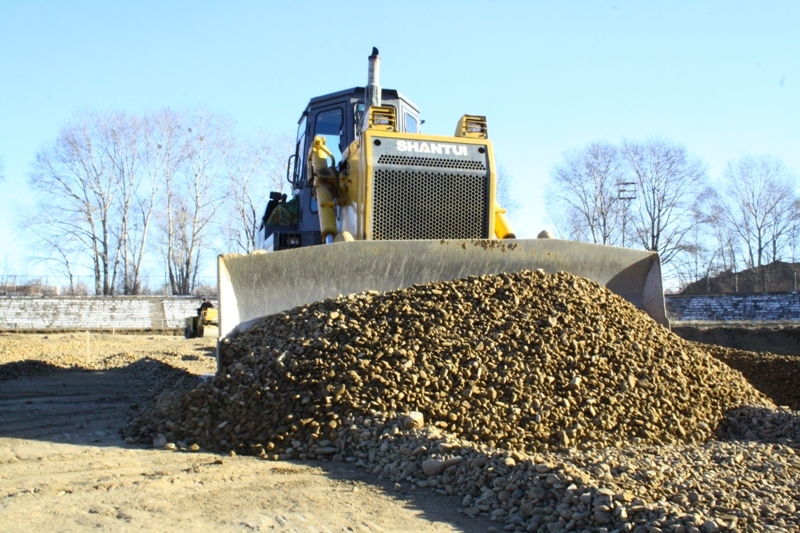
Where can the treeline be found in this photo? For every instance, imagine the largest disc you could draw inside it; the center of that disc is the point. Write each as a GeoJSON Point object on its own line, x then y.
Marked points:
{"type": "Point", "coordinates": [126, 197]}
{"type": "Point", "coordinates": [655, 195]}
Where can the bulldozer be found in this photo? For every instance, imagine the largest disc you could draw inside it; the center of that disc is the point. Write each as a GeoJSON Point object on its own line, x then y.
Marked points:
{"type": "Point", "coordinates": [376, 204]}
{"type": "Point", "coordinates": [204, 324]}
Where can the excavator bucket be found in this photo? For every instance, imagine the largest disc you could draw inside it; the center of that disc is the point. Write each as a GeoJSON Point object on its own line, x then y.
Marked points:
{"type": "Point", "coordinates": [263, 283]}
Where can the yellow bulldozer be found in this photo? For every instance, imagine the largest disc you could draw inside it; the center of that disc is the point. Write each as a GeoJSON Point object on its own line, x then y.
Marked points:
{"type": "Point", "coordinates": [377, 205]}
{"type": "Point", "coordinates": [204, 324]}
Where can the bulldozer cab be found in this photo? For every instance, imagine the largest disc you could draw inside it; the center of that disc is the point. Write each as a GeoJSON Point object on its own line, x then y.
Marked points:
{"type": "Point", "coordinates": [291, 221]}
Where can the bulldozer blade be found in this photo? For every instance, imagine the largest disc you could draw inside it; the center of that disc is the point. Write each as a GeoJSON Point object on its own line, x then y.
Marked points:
{"type": "Point", "coordinates": [264, 283]}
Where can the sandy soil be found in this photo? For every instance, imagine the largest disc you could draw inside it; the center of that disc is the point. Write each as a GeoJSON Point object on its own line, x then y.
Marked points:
{"type": "Point", "coordinates": [65, 467]}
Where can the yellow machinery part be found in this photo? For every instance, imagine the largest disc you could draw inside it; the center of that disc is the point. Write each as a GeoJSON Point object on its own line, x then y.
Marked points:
{"type": "Point", "coordinates": [325, 180]}
{"type": "Point", "coordinates": [364, 170]}
{"type": "Point", "coordinates": [356, 183]}
{"type": "Point", "coordinates": [204, 325]}
{"type": "Point", "coordinates": [210, 315]}
{"type": "Point", "coordinates": [502, 229]}
{"type": "Point", "coordinates": [474, 126]}
{"type": "Point", "coordinates": [381, 118]}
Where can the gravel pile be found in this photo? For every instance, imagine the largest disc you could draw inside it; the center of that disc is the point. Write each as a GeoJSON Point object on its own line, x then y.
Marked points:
{"type": "Point", "coordinates": [715, 486]}
{"type": "Point", "coordinates": [777, 376]}
{"type": "Point", "coordinates": [548, 402]}
{"type": "Point", "coordinates": [523, 361]}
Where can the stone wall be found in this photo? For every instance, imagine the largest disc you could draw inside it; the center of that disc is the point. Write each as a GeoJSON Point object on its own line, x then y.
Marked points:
{"type": "Point", "coordinates": [95, 313]}
{"type": "Point", "coordinates": [776, 306]}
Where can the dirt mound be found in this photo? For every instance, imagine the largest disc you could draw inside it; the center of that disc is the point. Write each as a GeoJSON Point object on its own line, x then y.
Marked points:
{"type": "Point", "coordinates": [776, 376]}
{"type": "Point", "coordinates": [774, 277]}
{"type": "Point", "coordinates": [781, 339]}
{"type": "Point", "coordinates": [524, 361]}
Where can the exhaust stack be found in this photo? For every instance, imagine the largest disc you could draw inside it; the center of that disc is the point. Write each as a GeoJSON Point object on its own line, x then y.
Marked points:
{"type": "Point", "coordinates": [373, 90]}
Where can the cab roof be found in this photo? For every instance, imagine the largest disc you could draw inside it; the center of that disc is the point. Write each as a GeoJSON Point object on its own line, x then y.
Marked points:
{"type": "Point", "coordinates": [358, 92]}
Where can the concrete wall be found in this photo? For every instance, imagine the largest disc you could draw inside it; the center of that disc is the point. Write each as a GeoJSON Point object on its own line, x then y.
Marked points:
{"type": "Point", "coordinates": [158, 312]}
{"type": "Point", "coordinates": [119, 312]}
{"type": "Point", "coordinates": [776, 306]}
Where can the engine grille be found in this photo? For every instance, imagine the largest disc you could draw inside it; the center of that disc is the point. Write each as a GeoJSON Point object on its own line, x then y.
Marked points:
{"type": "Point", "coordinates": [413, 203]}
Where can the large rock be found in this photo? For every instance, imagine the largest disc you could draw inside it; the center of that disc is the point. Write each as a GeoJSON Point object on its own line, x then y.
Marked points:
{"type": "Point", "coordinates": [433, 467]}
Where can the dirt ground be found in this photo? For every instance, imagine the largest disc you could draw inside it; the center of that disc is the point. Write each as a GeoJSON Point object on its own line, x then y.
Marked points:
{"type": "Point", "coordinates": [65, 467]}
{"type": "Point", "coordinates": [777, 338]}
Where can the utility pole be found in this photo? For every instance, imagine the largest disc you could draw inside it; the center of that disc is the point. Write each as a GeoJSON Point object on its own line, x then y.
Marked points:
{"type": "Point", "coordinates": [626, 191]}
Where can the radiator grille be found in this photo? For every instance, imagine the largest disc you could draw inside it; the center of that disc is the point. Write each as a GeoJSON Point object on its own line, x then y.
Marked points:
{"type": "Point", "coordinates": [437, 162]}
{"type": "Point", "coordinates": [423, 204]}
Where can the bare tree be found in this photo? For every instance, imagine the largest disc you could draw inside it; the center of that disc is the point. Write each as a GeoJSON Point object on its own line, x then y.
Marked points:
{"type": "Point", "coordinates": [61, 257]}
{"type": "Point", "coordinates": [254, 169]}
{"type": "Point", "coordinates": [6, 270]}
{"type": "Point", "coordinates": [699, 254]}
{"type": "Point", "coordinates": [166, 150]}
{"type": "Point", "coordinates": [584, 194]}
{"type": "Point", "coordinates": [505, 193]}
{"type": "Point", "coordinates": [77, 191]}
{"type": "Point", "coordinates": [163, 153]}
{"type": "Point", "coordinates": [193, 196]}
{"type": "Point", "coordinates": [121, 142]}
{"type": "Point", "coordinates": [669, 183]}
{"type": "Point", "coordinates": [761, 205]}
{"type": "Point", "coordinates": [723, 236]}
{"type": "Point", "coordinates": [113, 186]}
{"type": "Point", "coordinates": [794, 240]}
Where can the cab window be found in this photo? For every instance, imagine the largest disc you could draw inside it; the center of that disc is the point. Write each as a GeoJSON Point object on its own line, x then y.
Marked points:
{"type": "Point", "coordinates": [329, 125]}
{"type": "Point", "coordinates": [411, 124]}
{"type": "Point", "coordinates": [358, 117]}
{"type": "Point", "coordinates": [300, 152]}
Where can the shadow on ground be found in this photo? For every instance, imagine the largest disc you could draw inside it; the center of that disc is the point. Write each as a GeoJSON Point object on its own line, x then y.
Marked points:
{"type": "Point", "coordinates": [434, 505]}
{"type": "Point", "coordinates": [42, 402]}
{"type": "Point", "coordinates": [775, 376]}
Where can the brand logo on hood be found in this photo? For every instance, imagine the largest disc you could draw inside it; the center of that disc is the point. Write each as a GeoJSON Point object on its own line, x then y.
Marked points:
{"type": "Point", "coordinates": [432, 148]}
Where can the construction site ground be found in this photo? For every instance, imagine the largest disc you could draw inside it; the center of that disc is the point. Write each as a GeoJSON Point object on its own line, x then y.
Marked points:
{"type": "Point", "coordinates": [775, 337]}
{"type": "Point", "coordinates": [65, 466]}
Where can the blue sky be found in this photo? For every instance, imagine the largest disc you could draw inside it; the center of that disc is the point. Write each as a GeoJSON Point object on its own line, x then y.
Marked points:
{"type": "Point", "coordinates": [722, 78]}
